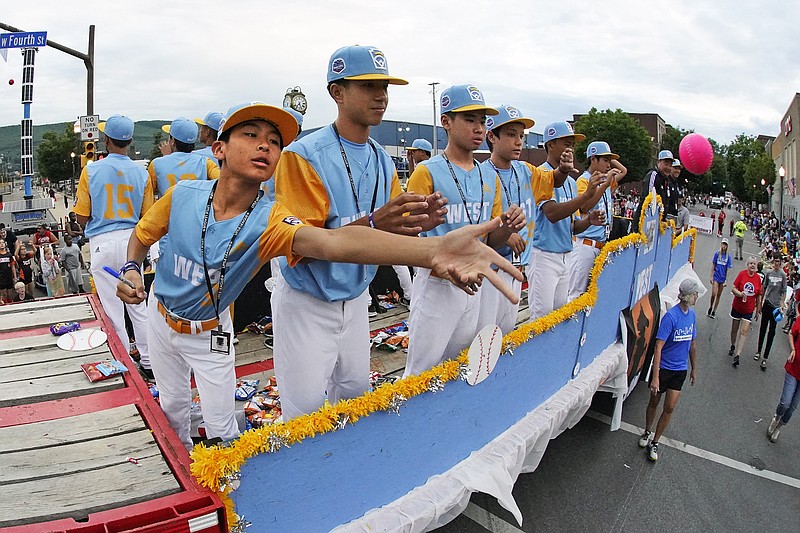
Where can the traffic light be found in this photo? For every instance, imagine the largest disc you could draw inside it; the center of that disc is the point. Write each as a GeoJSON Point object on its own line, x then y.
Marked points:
{"type": "Point", "coordinates": [89, 153]}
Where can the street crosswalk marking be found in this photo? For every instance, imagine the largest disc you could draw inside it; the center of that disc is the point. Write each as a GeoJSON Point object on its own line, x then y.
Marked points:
{"type": "Point", "coordinates": [704, 454]}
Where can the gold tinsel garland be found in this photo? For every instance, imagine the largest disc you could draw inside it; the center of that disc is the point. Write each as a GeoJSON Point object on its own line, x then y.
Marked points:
{"type": "Point", "coordinates": [213, 466]}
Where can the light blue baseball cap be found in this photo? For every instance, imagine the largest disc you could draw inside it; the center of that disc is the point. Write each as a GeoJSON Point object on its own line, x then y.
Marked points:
{"type": "Point", "coordinates": [118, 127]}
{"type": "Point", "coordinates": [421, 144]}
{"type": "Point", "coordinates": [665, 154]}
{"type": "Point", "coordinates": [182, 129]}
{"type": "Point", "coordinates": [507, 114]}
{"type": "Point", "coordinates": [599, 148]}
{"type": "Point", "coordinates": [676, 163]}
{"type": "Point", "coordinates": [462, 98]}
{"type": "Point", "coordinates": [213, 120]}
{"type": "Point", "coordinates": [296, 114]}
{"type": "Point", "coordinates": [558, 130]}
{"type": "Point", "coordinates": [360, 63]}
{"type": "Point", "coordinates": [281, 119]}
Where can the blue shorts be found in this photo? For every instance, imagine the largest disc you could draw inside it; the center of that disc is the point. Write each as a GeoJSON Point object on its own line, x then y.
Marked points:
{"type": "Point", "coordinates": [736, 315]}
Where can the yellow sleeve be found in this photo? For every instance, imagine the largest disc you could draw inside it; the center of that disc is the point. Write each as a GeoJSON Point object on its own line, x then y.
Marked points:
{"type": "Point", "coordinates": [149, 198]}
{"type": "Point", "coordinates": [497, 205]}
{"type": "Point", "coordinates": [300, 190]}
{"type": "Point", "coordinates": [278, 239]}
{"type": "Point", "coordinates": [582, 184]}
{"type": "Point", "coordinates": [212, 170]}
{"type": "Point", "coordinates": [151, 172]}
{"type": "Point", "coordinates": [396, 189]}
{"type": "Point", "coordinates": [155, 223]}
{"type": "Point", "coordinates": [83, 204]}
{"type": "Point", "coordinates": [542, 183]}
{"type": "Point", "coordinates": [420, 181]}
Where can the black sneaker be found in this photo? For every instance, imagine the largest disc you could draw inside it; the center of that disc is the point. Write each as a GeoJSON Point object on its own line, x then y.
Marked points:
{"type": "Point", "coordinates": [736, 361]}
{"type": "Point", "coordinates": [732, 350]}
{"type": "Point", "coordinates": [764, 365]}
{"type": "Point", "coordinates": [713, 314]}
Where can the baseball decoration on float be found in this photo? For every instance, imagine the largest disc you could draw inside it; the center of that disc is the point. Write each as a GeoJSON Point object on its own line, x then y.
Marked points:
{"type": "Point", "coordinates": [484, 353]}
{"type": "Point", "coordinates": [696, 153]}
{"type": "Point", "coordinates": [82, 339]}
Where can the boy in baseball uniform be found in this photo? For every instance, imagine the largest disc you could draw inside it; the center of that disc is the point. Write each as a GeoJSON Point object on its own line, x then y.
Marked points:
{"type": "Point", "coordinates": [228, 230]}
{"type": "Point", "coordinates": [522, 185]}
{"type": "Point", "coordinates": [333, 177]}
{"type": "Point", "coordinates": [443, 322]}
{"type": "Point", "coordinates": [551, 247]}
{"type": "Point", "coordinates": [588, 243]}
{"type": "Point", "coordinates": [182, 163]}
{"type": "Point", "coordinates": [113, 194]}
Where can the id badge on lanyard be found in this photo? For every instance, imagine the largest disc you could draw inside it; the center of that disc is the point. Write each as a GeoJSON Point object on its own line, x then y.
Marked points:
{"type": "Point", "coordinates": [220, 341]}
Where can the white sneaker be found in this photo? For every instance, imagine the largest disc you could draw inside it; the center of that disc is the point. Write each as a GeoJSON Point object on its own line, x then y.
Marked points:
{"type": "Point", "coordinates": [652, 451]}
{"type": "Point", "coordinates": [775, 433]}
{"type": "Point", "coordinates": [757, 356]}
{"type": "Point", "coordinates": [644, 440]}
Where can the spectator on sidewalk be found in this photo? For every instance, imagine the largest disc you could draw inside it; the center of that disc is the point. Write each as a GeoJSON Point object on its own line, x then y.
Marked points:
{"type": "Point", "coordinates": [72, 261]}
{"type": "Point", "coordinates": [21, 295]}
{"type": "Point", "coordinates": [790, 395]}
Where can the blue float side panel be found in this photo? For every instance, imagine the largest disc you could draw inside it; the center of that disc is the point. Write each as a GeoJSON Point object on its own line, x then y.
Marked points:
{"type": "Point", "coordinates": [343, 474]}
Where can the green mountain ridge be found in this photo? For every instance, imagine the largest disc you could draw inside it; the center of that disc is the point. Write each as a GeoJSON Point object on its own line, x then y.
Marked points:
{"type": "Point", "coordinates": [144, 132]}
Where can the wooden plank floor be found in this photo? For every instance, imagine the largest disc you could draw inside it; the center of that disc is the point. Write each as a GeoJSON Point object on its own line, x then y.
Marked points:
{"type": "Point", "coordinates": [45, 313]}
{"type": "Point", "coordinates": [34, 369]}
{"type": "Point", "coordinates": [92, 472]}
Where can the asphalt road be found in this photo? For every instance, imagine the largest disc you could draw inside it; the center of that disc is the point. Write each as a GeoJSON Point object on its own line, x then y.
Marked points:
{"type": "Point", "coordinates": [718, 472]}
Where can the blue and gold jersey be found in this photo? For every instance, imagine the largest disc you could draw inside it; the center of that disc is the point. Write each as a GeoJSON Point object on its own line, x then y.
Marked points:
{"type": "Point", "coordinates": [207, 152]}
{"type": "Point", "coordinates": [312, 182]}
{"type": "Point", "coordinates": [114, 193]}
{"type": "Point", "coordinates": [606, 205]}
{"type": "Point", "coordinates": [166, 171]}
{"type": "Point", "coordinates": [478, 205]}
{"type": "Point", "coordinates": [523, 185]}
{"type": "Point", "coordinates": [549, 236]}
{"type": "Point", "coordinates": [180, 283]}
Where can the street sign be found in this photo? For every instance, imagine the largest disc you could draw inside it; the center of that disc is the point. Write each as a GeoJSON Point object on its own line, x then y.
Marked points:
{"type": "Point", "coordinates": [23, 39]}
{"type": "Point", "coordinates": [89, 131]}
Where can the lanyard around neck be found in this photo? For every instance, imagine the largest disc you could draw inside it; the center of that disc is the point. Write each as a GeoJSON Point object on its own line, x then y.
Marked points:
{"type": "Point", "coordinates": [350, 173]}
{"type": "Point", "coordinates": [215, 302]}
{"type": "Point", "coordinates": [505, 188]}
{"type": "Point", "coordinates": [461, 192]}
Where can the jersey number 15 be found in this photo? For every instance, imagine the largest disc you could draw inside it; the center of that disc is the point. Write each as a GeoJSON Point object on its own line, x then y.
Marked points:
{"type": "Point", "coordinates": [118, 206]}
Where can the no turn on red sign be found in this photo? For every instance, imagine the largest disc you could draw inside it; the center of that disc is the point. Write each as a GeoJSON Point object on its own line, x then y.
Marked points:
{"type": "Point", "coordinates": [89, 130]}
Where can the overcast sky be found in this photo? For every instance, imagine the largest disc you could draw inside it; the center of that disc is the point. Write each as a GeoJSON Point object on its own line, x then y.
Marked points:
{"type": "Point", "coordinates": [721, 68]}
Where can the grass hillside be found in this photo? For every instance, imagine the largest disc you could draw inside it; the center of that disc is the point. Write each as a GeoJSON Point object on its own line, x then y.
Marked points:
{"type": "Point", "coordinates": [144, 132]}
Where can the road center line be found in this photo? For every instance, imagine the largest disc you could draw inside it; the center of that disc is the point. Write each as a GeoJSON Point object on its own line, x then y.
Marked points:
{"type": "Point", "coordinates": [704, 454]}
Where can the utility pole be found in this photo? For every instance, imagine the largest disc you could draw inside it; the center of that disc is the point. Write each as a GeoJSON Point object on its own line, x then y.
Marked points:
{"type": "Point", "coordinates": [435, 135]}
{"type": "Point", "coordinates": [87, 58]}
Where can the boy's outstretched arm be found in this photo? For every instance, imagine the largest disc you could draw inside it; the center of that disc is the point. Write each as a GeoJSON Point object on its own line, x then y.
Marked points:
{"type": "Point", "coordinates": [458, 257]}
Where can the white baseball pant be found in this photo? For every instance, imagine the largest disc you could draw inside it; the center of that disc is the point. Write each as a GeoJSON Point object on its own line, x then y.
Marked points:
{"type": "Point", "coordinates": [404, 277]}
{"type": "Point", "coordinates": [581, 263]}
{"type": "Point", "coordinates": [548, 281]}
{"type": "Point", "coordinates": [318, 346]}
{"type": "Point", "coordinates": [494, 308]}
{"type": "Point", "coordinates": [176, 356]}
{"type": "Point", "coordinates": [442, 322]}
{"type": "Point", "coordinates": [111, 249]}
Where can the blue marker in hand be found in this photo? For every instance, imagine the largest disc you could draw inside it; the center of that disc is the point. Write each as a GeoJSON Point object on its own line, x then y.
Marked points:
{"type": "Point", "coordinates": [119, 276]}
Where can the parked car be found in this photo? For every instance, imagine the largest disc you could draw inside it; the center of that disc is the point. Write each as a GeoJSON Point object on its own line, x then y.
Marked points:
{"type": "Point", "coordinates": [716, 202]}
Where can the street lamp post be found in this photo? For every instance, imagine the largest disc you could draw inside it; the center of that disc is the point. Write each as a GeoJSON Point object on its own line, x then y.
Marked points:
{"type": "Point", "coordinates": [72, 180]}
{"type": "Point", "coordinates": [782, 174]}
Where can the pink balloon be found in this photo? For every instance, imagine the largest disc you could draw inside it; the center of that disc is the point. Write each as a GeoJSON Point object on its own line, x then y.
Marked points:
{"type": "Point", "coordinates": [696, 153]}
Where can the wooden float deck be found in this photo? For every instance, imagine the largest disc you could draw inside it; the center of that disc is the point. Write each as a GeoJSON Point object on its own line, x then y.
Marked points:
{"type": "Point", "coordinates": [75, 454]}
